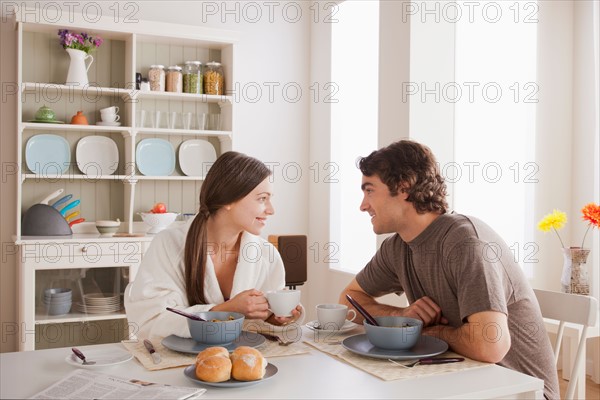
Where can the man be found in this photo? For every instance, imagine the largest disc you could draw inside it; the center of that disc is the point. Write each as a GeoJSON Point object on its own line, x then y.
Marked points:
{"type": "Point", "coordinates": [458, 274]}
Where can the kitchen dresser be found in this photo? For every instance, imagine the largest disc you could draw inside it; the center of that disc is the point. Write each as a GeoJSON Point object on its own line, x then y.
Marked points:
{"type": "Point", "coordinates": [86, 261]}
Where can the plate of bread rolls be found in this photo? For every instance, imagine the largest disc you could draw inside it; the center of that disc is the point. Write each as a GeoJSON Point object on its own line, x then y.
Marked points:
{"type": "Point", "coordinates": [215, 366]}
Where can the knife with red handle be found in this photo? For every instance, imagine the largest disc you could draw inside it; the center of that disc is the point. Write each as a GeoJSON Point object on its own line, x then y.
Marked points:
{"type": "Point", "coordinates": [152, 351]}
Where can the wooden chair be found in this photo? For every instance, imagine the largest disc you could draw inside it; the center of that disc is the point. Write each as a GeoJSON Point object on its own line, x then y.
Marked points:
{"type": "Point", "coordinates": [292, 249]}
{"type": "Point", "coordinates": [571, 308]}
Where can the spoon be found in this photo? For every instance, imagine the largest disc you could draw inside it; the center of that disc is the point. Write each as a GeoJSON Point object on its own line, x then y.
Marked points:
{"type": "Point", "coordinates": [80, 355]}
{"type": "Point", "coordinates": [361, 310]}
{"type": "Point", "coordinates": [185, 314]}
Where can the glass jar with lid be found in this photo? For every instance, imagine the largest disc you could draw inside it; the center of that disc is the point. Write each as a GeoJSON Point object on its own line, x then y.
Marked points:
{"type": "Point", "coordinates": [174, 79]}
{"type": "Point", "coordinates": [156, 77]}
{"type": "Point", "coordinates": [213, 78]}
{"type": "Point", "coordinates": [192, 77]}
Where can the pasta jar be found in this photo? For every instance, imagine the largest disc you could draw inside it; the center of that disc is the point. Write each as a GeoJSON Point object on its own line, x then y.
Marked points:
{"type": "Point", "coordinates": [192, 77]}
{"type": "Point", "coordinates": [174, 79]}
{"type": "Point", "coordinates": [156, 76]}
{"type": "Point", "coordinates": [213, 78]}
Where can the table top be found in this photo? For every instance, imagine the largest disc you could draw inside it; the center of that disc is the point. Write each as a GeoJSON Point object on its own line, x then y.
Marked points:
{"type": "Point", "coordinates": [305, 376]}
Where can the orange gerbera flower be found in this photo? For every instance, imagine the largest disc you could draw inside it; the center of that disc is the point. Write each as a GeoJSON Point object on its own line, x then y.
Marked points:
{"type": "Point", "coordinates": [591, 213]}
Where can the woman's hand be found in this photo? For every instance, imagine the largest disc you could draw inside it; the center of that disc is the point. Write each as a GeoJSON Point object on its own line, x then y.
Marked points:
{"type": "Point", "coordinates": [296, 313]}
{"type": "Point", "coordinates": [252, 303]}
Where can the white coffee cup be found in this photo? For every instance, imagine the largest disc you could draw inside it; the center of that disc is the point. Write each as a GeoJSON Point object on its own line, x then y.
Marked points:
{"type": "Point", "coordinates": [109, 117]}
{"type": "Point", "coordinates": [282, 302]}
{"type": "Point", "coordinates": [333, 316]}
{"type": "Point", "coordinates": [110, 110]}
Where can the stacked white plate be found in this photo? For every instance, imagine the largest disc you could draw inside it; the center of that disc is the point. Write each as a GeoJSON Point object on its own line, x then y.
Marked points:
{"type": "Point", "coordinates": [98, 303]}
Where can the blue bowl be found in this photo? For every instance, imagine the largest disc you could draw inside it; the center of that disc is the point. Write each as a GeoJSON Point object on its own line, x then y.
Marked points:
{"type": "Point", "coordinates": [394, 333]}
{"type": "Point", "coordinates": [220, 328]}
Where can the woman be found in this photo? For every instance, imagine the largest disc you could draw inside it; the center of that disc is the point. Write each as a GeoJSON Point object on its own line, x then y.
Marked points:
{"type": "Point", "coordinates": [216, 263]}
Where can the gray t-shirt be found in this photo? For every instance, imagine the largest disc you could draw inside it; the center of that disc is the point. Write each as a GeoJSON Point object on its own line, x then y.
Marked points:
{"type": "Point", "coordinates": [465, 267]}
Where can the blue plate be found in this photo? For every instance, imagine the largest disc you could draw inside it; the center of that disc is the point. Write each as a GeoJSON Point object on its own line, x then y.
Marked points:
{"type": "Point", "coordinates": [189, 345]}
{"type": "Point", "coordinates": [155, 157]}
{"type": "Point", "coordinates": [47, 154]}
{"type": "Point", "coordinates": [190, 373]}
{"type": "Point", "coordinates": [427, 346]}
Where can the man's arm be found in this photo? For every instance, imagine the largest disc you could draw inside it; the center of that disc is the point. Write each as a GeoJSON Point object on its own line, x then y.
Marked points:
{"type": "Point", "coordinates": [367, 301]}
{"type": "Point", "coordinates": [484, 337]}
{"type": "Point", "coordinates": [424, 308]}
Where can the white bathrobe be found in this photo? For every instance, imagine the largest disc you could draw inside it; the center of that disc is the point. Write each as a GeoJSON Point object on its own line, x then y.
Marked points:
{"type": "Point", "coordinates": [160, 282]}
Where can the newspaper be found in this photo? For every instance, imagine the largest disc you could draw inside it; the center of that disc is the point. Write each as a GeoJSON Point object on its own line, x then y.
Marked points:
{"type": "Point", "coordinates": [82, 384]}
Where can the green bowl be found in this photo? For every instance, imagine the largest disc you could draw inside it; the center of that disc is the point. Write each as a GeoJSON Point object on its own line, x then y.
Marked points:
{"type": "Point", "coordinates": [45, 114]}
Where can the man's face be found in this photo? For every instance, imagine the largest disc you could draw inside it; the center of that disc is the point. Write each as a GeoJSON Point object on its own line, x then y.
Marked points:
{"type": "Point", "coordinates": [387, 212]}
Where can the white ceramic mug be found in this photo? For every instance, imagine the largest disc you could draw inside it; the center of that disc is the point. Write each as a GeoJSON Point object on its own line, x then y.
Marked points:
{"type": "Point", "coordinates": [282, 302]}
{"type": "Point", "coordinates": [110, 110]}
{"type": "Point", "coordinates": [333, 316]}
{"type": "Point", "coordinates": [108, 117]}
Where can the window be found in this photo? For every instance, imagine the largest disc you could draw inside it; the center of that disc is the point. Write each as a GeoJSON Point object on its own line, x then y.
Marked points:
{"type": "Point", "coordinates": [494, 132]}
{"type": "Point", "coordinates": [354, 72]}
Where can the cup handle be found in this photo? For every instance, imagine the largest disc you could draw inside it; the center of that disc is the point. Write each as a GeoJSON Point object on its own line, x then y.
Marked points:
{"type": "Point", "coordinates": [118, 118]}
{"type": "Point", "coordinates": [353, 315]}
{"type": "Point", "coordinates": [116, 109]}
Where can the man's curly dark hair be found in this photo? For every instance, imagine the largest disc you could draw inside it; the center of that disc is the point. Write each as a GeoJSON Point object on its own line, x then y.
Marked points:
{"type": "Point", "coordinates": [409, 166]}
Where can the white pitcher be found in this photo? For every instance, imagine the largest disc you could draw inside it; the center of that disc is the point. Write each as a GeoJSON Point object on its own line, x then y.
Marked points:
{"type": "Point", "coordinates": [77, 75]}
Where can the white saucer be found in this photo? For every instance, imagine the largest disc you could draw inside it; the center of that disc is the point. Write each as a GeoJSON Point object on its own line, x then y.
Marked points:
{"type": "Point", "coordinates": [103, 358]}
{"type": "Point", "coordinates": [107, 123]}
{"type": "Point", "coordinates": [314, 326]}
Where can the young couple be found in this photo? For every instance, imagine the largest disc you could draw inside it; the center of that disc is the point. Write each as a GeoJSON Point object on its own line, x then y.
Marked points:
{"type": "Point", "coordinates": [481, 305]}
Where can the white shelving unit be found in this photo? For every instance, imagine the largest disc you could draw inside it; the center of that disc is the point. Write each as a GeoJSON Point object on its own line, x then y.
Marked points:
{"type": "Point", "coordinates": [42, 70]}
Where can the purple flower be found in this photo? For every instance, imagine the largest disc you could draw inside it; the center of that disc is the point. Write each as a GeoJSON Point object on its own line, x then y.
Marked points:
{"type": "Point", "coordinates": [80, 41]}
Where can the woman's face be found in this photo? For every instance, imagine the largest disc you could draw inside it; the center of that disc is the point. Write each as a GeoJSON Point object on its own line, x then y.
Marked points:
{"type": "Point", "coordinates": [251, 212]}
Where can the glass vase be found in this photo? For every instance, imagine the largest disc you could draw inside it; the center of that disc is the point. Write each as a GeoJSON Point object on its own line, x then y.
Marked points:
{"type": "Point", "coordinates": [574, 275]}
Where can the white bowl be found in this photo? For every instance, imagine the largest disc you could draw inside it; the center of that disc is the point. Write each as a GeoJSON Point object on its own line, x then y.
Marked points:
{"type": "Point", "coordinates": [107, 226]}
{"type": "Point", "coordinates": [158, 222]}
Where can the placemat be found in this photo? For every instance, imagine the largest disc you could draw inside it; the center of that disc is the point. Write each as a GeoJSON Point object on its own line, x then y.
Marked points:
{"type": "Point", "coordinates": [172, 359]}
{"type": "Point", "coordinates": [385, 369]}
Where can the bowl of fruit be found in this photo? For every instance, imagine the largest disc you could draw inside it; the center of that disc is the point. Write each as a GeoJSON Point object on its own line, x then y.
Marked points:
{"type": "Point", "coordinates": [158, 218]}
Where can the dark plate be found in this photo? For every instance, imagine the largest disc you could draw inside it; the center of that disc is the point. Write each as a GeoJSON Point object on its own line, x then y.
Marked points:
{"type": "Point", "coordinates": [188, 345]}
{"type": "Point", "coordinates": [427, 346]}
{"type": "Point", "coordinates": [190, 373]}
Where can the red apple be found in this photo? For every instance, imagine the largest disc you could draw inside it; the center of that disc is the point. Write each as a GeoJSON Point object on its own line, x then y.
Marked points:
{"type": "Point", "coordinates": [159, 208]}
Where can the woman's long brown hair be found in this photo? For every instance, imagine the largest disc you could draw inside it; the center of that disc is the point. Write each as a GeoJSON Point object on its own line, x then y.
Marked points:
{"type": "Point", "coordinates": [230, 179]}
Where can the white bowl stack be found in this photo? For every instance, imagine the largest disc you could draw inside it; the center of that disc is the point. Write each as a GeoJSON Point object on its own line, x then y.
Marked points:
{"type": "Point", "coordinates": [158, 222]}
{"type": "Point", "coordinates": [58, 301]}
{"type": "Point", "coordinates": [99, 303]}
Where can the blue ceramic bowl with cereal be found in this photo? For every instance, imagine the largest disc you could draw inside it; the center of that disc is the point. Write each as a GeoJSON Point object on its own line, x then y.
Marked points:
{"type": "Point", "coordinates": [394, 333]}
{"type": "Point", "coordinates": [220, 328]}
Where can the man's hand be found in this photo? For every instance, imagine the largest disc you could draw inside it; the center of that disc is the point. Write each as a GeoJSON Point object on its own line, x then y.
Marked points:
{"type": "Point", "coordinates": [426, 310]}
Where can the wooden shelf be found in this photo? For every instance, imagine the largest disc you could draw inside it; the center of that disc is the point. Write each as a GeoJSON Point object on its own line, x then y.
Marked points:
{"type": "Point", "coordinates": [182, 132]}
{"type": "Point", "coordinates": [42, 318]}
{"type": "Point", "coordinates": [35, 126]}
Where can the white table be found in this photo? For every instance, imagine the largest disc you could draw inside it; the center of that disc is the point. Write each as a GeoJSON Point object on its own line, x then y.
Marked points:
{"type": "Point", "coordinates": [306, 376]}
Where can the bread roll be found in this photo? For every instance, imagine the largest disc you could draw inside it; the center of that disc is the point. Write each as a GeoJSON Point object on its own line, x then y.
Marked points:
{"type": "Point", "coordinates": [212, 351]}
{"type": "Point", "coordinates": [214, 369]}
{"type": "Point", "coordinates": [248, 364]}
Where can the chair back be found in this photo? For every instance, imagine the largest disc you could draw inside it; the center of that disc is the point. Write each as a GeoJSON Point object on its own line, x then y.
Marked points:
{"type": "Point", "coordinates": [571, 308]}
{"type": "Point", "coordinates": [293, 249]}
